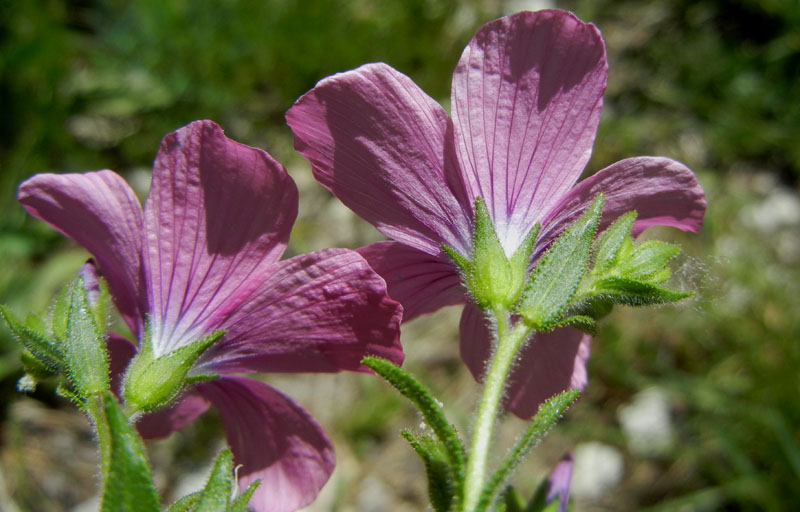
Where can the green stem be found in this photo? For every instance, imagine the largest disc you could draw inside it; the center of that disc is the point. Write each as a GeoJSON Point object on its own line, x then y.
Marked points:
{"type": "Point", "coordinates": [94, 408]}
{"type": "Point", "coordinates": [509, 340]}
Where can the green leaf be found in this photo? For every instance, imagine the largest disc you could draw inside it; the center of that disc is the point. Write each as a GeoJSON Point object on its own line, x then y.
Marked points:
{"type": "Point", "coordinates": [559, 272]}
{"type": "Point", "coordinates": [216, 495]}
{"type": "Point", "coordinates": [128, 487]}
{"type": "Point", "coordinates": [153, 382]}
{"type": "Point", "coordinates": [187, 503]}
{"type": "Point", "coordinates": [635, 293]}
{"type": "Point", "coordinates": [441, 484]}
{"type": "Point", "coordinates": [585, 323]}
{"type": "Point", "coordinates": [241, 502]}
{"type": "Point", "coordinates": [38, 344]}
{"type": "Point", "coordinates": [513, 501]}
{"type": "Point", "coordinates": [610, 242]}
{"type": "Point", "coordinates": [549, 412]}
{"type": "Point", "coordinates": [85, 347]}
{"type": "Point", "coordinates": [430, 408]}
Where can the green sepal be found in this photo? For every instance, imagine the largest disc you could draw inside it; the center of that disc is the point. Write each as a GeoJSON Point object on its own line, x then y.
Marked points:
{"type": "Point", "coordinates": [548, 414]}
{"type": "Point", "coordinates": [241, 502]}
{"type": "Point", "coordinates": [635, 293]}
{"type": "Point", "coordinates": [558, 273]}
{"type": "Point", "coordinates": [38, 344]}
{"type": "Point", "coordinates": [216, 495]}
{"type": "Point", "coordinates": [610, 243]}
{"type": "Point", "coordinates": [519, 265]}
{"type": "Point", "coordinates": [441, 485]}
{"type": "Point", "coordinates": [649, 262]}
{"type": "Point", "coordinates": [490, 281]}
{"type": "Point", "coordinates": [187, 503]}
{"type": "Point", "coordinates": [85, 347]}
{"type": "Point", "coordinates": [153, 382]}
{"type": "Point", "coordinates": [128, 486]}
{"type": "Point", "coordinates": [201, 377]}
{"type": "Point", "coordinates": [430, 408]}
{"type": "Point", "coordinates": [461, 262]}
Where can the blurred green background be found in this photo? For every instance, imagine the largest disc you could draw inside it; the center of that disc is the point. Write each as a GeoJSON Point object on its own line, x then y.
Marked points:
{"type": "Point", "coordinates": [93, 84]}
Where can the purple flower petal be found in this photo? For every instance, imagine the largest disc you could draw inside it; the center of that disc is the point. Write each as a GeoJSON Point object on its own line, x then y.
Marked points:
{"type": "Point", "coordinates": [101, 212]}
{"type": "Point", "coordinates": [317, 312]}
{"type": "Point", "coordinates": [527, 96]}
{"type": "Point", "coordinates": [273, 439]}
{"type": "Point", "coordinates": [175, 416]}
{"type": "Point", "coordinates": [558, 483]}
{"type": "Point", "coordinates": [420, 282]}
{"type": "Point", "coordinates": [662, 191]}
{"type": "Point", "coordinates": [218, 214]}
{"type": "Point", "coordinates": [377, 141]}
{"type": "Point", "coordinates": [549, 364]}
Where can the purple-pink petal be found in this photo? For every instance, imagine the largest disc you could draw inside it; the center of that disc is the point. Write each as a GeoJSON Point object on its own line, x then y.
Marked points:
{"type": "Point", "coordinates": [175, 416]}
{"type": "Point", "coordinates": [527, 96]}
{"type": "Point", "coordinates": [100, 211]}
{"type": "Point", "coordinates": [316, 312]}
{"type": "Point", "coordinates": [274, 440]}
{"type": "Point", "coordinates": [218, 214]}
{"type": "Point", "coordinates": [377, 141]}
{"type": "Point", "coordinates": [662, 191]}
{"type": "Point", "coordinates": [547, 365]}
{"type": "Point", "coordinates": [420, 282]}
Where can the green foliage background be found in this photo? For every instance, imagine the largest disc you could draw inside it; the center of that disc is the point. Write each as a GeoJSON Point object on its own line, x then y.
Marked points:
{"type": "Point", "coordinates": [95, 84]}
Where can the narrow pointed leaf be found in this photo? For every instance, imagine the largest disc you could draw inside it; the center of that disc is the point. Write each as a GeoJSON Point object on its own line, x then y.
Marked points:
{"type": "Point", "coordinates": [37, 343]}
{"type": "Point", "coordinates": [512, 500]}
{"type": "Point", "coordinates": [610, 241]}
{"type": "Point", "coordinates": [128, 486]}
{"type": "Point", "coordinates": [409, 387]}
{"type": "Point", "coordinates": [549, 413]}
{"type": "Point", "coordinates": [636, 293]}
{"type": "Point", "coordinates": [441, 487]}
{"type": "Point", "coordinates": [559, 272]}
{"type": "Point", "coordinates": [217, 492]}
{"type": "Point", "coordinates": [85, 348]}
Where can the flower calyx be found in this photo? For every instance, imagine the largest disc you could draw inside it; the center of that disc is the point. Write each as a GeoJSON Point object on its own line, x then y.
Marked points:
{"type": "Point", "coordinates": [152, 382]}
{"type": "Point", "coordinates": [492, 278]}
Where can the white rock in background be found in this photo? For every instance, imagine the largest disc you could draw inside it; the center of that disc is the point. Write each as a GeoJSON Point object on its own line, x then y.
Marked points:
{"type": "Point", "coordinates": [647, 422]}
{"type": "Point", "coordinates": [780, 209]}
{"type": "Point", "coordinates": [598, 468]}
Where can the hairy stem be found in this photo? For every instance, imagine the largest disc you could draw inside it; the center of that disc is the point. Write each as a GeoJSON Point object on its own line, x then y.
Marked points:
{"type": "Point", "coordinates": [509, 339]}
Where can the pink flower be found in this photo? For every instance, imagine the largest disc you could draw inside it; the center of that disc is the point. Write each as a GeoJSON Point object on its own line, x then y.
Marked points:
{"type": "Point", "coordinates": [203, 256]}
{"type": "Point", "coordinates": [526, 101]}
